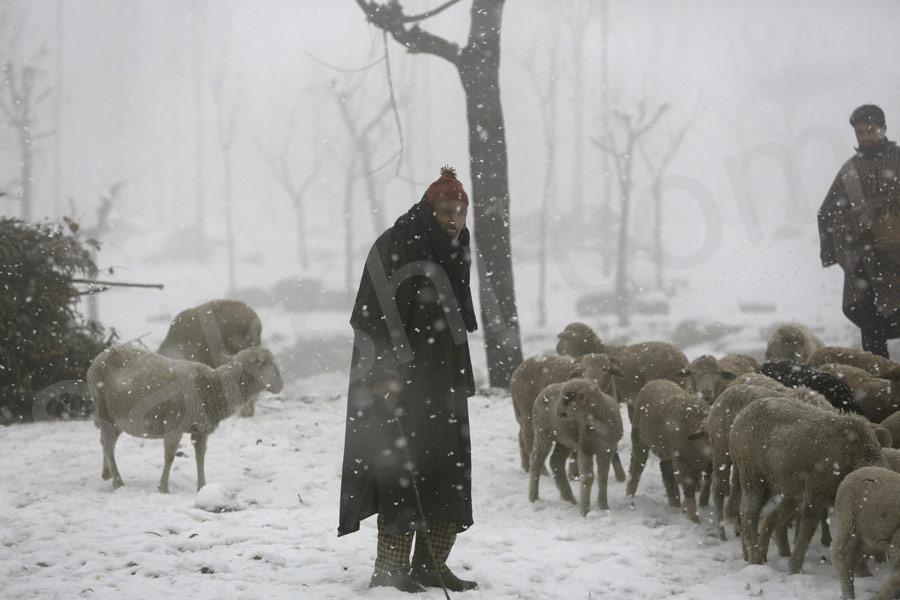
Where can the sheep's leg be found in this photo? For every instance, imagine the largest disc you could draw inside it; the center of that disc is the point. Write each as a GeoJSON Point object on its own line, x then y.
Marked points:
{"type": "Point", "coordinates": [705, 489]}
{"type": "Point", "coordinates": [811, 512]}
{"type": "Point", "coordinates": [776, 523]}
{"type": "Point", "coordinates": [586, 471]}
{"type": "Point", "coordinates": [845, 554]}
{"type": "Point", "coordinates": [603, 462]}
{"type": "Point", "coordinates": [199, 442]}
{"type": "Point", "coordinates": [639, 455]}
{"type": "Point", "coordinates": [523, 454]}
{"type": "Point", "coordinates": [669, 482]}
{"type": "Point", "coordinates": [893, 582]}
{"type": "Point", "coordinates": [249, 407]}
{"type": "Point", "coordinates": [862, 565]}
{"type": "Point", "coordinates": [572, 466]}
{"type": "Point", "coordinates": [558, 467]}
{"type": "Point", "coordinates": [539, 452]}
{"type": "Point", "coordinates": [109, 434]}
{"type": "Point", "coordinates": [826, 531]}
{"type": "Point", "coordinates": [733, 507]}
{"type": "Point", "coordinates": [170, 444]}
{"type": "Point", "coordinates": [719, 484]}
{"type": "Point", "coordinates": [752, 500]}
{"type": "Point", "coordinates": [689, 483]}
{"type": "Point", "coordinates": [617, 467]}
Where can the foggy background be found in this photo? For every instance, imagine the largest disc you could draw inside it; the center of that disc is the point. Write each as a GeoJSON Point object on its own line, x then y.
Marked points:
{"type": "Point", "coordinates": [144, 100]}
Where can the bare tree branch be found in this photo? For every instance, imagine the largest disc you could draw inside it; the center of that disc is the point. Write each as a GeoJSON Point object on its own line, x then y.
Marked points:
{"type": "Point", "coordinates": [389, 17]}
{"type": "Point", "coordinates": [341, 69]}
{"type": "Point", "coordinates": [430, 13]}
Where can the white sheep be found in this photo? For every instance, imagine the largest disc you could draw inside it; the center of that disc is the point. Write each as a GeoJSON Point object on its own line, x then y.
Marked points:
{"type": "Point", "coordinates": [639, 363]}
{"type": "Point", "coordinates": [879, 397]}
{"type": "Point", "coordinates": [211, 333]}
{"type": "Point", "coordinates": [575, 415]}
{"type": "Point", "coordinates": [868, 518]}
{"type": "Point", "coordinates": [872, 363]}
{"type": "Point", "coordinates": [672, 423]}
{"type": "Point", "coordinates": [801, 452]}
{"type": "Point", "coordinates": [718, 425]}
{"type": "Point", "coordinates": [537, 372]}
{"type": "Point", "coordinates": [892, 424]}
{"type": "Point", "coordinates": [792, 341]}
{"type": "Point", "coordinates": [152, 396]}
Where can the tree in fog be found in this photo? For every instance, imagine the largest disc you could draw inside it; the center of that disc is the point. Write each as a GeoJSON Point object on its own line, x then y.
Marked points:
{"type": "Point", "coordinates": [25, 89]}
{"type": "Point", "coordinates": [226, 127]}
{"type": "Point", "coordinates": [478, 64]}
{"type": "Point", "coordinates": [621, 145]}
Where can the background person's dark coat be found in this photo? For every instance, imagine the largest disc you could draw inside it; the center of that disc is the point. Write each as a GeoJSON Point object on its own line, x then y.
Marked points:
{"type": "Point", "coordinates": [865, 187]}
{"type": "Point", "coordinates": [436, 376]}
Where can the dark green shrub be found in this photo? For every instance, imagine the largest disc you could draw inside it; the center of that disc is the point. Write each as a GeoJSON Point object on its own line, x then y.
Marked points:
{"type": "Point", "coordinates": [45, 344]}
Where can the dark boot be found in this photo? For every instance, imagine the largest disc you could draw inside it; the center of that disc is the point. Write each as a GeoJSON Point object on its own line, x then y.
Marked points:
{"type": "Point", "coordinates": [429, 578]}
{"type": "Point", "coordinates": [398, 578]}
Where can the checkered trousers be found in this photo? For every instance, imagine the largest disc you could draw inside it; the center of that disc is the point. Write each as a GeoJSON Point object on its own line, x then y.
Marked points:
{"type": "Point", "coordinates": [393, 550]}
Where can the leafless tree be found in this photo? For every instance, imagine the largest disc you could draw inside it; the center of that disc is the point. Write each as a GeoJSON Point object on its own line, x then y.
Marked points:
{"type": "Point", "coordinates": [478, 64]}
{"type": "Point", "coordinates": [226, 126]}
{"type": "Point", "coordinates": [631, 129]}
{"type": "Point", "coordinates": [657, 167]}
{"type": "Point", "coordinates": [287, 172]}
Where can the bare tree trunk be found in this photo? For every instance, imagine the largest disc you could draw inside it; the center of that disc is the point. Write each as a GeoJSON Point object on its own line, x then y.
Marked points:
{"type": "Point", "coordinates": [606, 200]}
{"type": "Point", "coordinates": [348, 226]}
{"type": "Point", "coordinates": [478, 64]}
{"type": "Point", "coordinates": [229, 223]}
{"type": "Point", "coordinates": [57, 111]}
{"type": "Point", "coordinates": [199, 131]}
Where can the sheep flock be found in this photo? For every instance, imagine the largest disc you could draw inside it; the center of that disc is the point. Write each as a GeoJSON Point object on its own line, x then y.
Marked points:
{"type": "Point", "coordinates": [811, 429]}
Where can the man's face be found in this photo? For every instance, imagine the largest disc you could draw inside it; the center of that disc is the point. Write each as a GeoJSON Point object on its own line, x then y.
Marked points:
{"type": "Point", "coordinates": [869, 135]}
{"type": "Point", "coordinates": [451, 216]}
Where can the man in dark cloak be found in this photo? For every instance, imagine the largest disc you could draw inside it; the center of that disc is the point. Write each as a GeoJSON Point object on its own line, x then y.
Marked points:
{"type": "Point", "coordinates": [407, 433]}
{"type": "Point", "coordinates": [859, 229]}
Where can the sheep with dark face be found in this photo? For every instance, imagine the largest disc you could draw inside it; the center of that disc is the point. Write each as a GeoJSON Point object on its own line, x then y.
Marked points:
{"type": "Point", "coordinates": [575, 415]}
{"type": "Point", "coordinates": [672, 423]}
{"type": "Point", "coordinates": [705, 378]}
{"type": "Point", "coordinates": [868, 518]}
{"type": "Point", "coordinates": [211, 333]}
{"type": "Point", "coordinates": [793, 342]}
{"type": "Point", "coordinates": [152, 396]}
{"type": "Point", "coordinates": [801, 452]}
{"type": "Point", "coordinates": [793, 374]}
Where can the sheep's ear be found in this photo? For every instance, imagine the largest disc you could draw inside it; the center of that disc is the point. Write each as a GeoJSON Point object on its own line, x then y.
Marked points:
{"type": "Point", "coordinates": [727, 375]}
{"type": "Point", "coordinates": [892, 373]}
{"type": "Point", "coordinates": [579, 359]}
{"type": "Point", "coordinates": [700, 433]}
{"type": "Point", "coordinates": [576, 373]}
{"type": "Point", "coordinates": [614, 370]}
{"type": "Point", "coordinates": [615, 360]}
{"type": "Point", "coordinates": [685, 372]}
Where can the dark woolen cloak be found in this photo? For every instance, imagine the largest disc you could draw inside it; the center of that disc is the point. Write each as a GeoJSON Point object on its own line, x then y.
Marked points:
{"type": "Point", "coordinates": [864, 195]}
{"type": "Point", "coordinates": [410, 320]}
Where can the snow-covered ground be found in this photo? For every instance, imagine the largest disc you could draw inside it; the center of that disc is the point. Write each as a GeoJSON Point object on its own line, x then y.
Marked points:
{"type": "Point", "coordinates": [265, 524]}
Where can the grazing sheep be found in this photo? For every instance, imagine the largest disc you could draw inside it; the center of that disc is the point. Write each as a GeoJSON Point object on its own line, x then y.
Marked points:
{"type": "Point", "coordinates": [792, 341]}
{"type": "Point", "coordinates": [892, 424]}
{"type": "Point", "coordinates": [802, 453]}
{"type": "Point", "coordinates": [537, 372]}
{"type": "Point", "coordinates": [718, 425]}
{"type": "Point", "coordinates": [152, 396]}
{"type": "Point", "coordinates": [705, 378]}
{"type": "Point", "coordinates": [211, 332]}
{"type": "Point", "coordinates": [831, 386]}
{"type": "Point", "coordinates": [868, 518]}
{"type": "Point", "coordinates": [738, 364]}
{"type": "Point", "coordinates": [576, 415]}
{"type": "Point", "coordinates": [879, 397]}
{"type": "Point", "coordinates": [672, 423]}
{"type": "Point", "coordinates": [874, 364]}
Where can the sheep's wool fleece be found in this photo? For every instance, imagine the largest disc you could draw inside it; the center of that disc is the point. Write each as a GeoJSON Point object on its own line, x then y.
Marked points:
{"type": "Point", "coordinates": [864, 201]}
{"type": "Point", "coordinates": [423, 345]}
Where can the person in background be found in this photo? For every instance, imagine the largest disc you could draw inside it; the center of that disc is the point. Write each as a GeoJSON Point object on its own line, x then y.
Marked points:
{"type": "Point", "coordinates": [407, 452]}
{"type": "Point", "coordinates": [859, 229]}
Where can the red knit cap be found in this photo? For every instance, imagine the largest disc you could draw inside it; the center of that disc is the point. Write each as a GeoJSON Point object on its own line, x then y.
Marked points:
{"type": "Point", "coordinates": [446, 187]}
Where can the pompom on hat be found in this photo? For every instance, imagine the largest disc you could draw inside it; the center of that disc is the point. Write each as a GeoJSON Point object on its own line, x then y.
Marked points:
{"type": "Point", "coordinates": [867, 113]}
{"type": "Point", "coordinates": [446, 187]}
